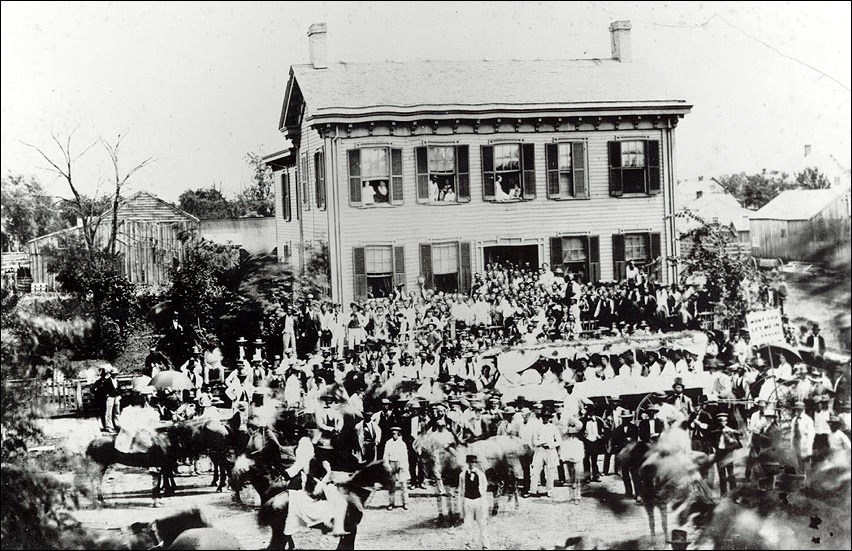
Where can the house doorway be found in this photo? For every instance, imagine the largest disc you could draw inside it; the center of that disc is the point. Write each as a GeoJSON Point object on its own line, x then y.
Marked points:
{"type": "Point", "coordinates": [525, 256]}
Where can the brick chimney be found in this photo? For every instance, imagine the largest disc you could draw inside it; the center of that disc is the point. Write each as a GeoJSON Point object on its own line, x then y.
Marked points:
{"type": "Point", "coordinates": [620, 34]}
{"type": "Point", "coordinates": [316, 44]}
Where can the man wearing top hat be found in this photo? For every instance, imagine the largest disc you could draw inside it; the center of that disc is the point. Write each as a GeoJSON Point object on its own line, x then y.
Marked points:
{"type": "Point", "coordinates": [472, 492]}
{"type": "Point", "coordinates": [680, 400]}
{"type": "Point", "coordinates": [816, 344]}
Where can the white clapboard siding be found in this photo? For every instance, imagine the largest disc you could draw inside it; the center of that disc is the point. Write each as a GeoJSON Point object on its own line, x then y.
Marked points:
{"type": "Point", "coordinates": [478, 221]}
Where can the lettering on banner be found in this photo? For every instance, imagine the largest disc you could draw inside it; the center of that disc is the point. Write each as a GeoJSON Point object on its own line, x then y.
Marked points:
{"type": "Point", "coordinates": [765, 327]}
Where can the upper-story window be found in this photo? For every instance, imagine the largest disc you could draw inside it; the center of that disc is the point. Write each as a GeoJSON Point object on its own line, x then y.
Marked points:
{"type": "Point", "coordinates": [319, 180]}
{"type": "Point", "coordinates": [566, 170]}
{"type": "Point", "coordinates": [443, 174]}
{"type": "Point", "coordinates": [304, 180]}
{"type": "Point", "coordinates": [375, 176]}
{"type": "Point", "coordinates": [508, 172]}
{"type": "Point", "coordinates": [634, 167]}
{"type": "Point", "coordinates": [286, 204]}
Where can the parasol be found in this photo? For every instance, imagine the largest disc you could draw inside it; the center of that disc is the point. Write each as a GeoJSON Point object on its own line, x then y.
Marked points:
{"type": "Point", "coordinates": [171, 379]}
{"type": "Point", "coordinates": [141, 383]}
{"type": "Point", "coordinates": [782, 349]}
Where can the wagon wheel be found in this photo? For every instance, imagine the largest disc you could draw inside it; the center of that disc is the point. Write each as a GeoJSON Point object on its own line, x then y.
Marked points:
{"type": "Point", "coordinates": [783, 397]}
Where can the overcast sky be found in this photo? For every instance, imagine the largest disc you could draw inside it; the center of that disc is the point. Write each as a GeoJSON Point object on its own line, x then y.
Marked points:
{"type": "Point", "coordinates": [198, 85]}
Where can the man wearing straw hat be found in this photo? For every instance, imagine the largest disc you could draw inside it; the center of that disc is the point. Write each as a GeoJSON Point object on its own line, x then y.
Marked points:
{"type": "Point", "coordinates": [396, 462]}
{"type": "Point", "coordinates": [757, 425]}
{"type": "Point", "coordinates": [726, 441]}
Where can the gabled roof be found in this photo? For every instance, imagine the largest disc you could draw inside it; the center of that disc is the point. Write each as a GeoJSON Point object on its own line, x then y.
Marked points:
{"type": "Point", "coordinates": [141, 196]}
{"type": "Point", "coordinates": [798, 204]}
{"type": "Point", "coordinates": [405, 88]}
{"type": "Point", "coordinates": [724, 208]}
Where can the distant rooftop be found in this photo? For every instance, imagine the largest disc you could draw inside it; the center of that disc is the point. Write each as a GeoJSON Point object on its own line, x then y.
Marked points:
{"type": "Point", "coordinates": [798, 204]}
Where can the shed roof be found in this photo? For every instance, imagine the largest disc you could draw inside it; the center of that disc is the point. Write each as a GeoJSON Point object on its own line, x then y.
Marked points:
{"type": "Point", "coordinates": [798, 204]}
{"type": "Point", "coordinates": [723, 207]}
{"type": "Point", "coordinates": [475, 86]}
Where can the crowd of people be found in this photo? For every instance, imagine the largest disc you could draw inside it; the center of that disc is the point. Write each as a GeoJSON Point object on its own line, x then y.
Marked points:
{"type": "Point", "coordinates": [422, 359]}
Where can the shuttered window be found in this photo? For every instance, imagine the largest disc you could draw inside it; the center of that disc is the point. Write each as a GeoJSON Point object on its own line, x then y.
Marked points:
{"type": "Point", "coordinates": [375, 176]}
{"type": "Point", "coordinates": [445, 258]}
{"type": "Point", "coordinates": [446, 266]}
{"type": "Point", "coordinates": [634, 167]}
{"type": "Point", "coordinates": [566, 170]}
{"type": "Point", "coordinates": [319, 180]}
{"type": "Point", "coordinates": [377, 269]}
{"type": "Point", "coordinates": [641, 248]}
{"type": "Point", "coordinates": [442, 174]}
{"type": "Point", "coordinates": [286, 204]}
{"type": "Point", "coordinates": [578, 255]}
{"type": "Point", "coordinates": [508, 172]}
{"type": "Point", "coordinates": [304, 179]}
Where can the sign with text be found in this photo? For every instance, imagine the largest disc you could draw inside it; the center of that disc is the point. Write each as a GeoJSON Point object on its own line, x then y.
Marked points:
{"type": "Point", "coordinates": [765, 327]}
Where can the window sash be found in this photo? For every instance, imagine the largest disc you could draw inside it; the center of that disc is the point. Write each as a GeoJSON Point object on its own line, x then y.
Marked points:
{"type": "Point", "coordinates": [507, 158]}
{"type": "Point", "coordinates": [379, 260]}
{"type": "Point", "coordinates": [442, 159]}
{"type": "Point", "coordinates": [564, 156]}
{"type": "Point", "coordinates": [573, 249]}
{"type": "Point", "coordinates": [635, 247]}
{"type": "Point", "coordinates": [633, 154]}
{"type": "Point", "coordinates": [375, 164]}
{"type": "Point", "coordinates": [445, 258]}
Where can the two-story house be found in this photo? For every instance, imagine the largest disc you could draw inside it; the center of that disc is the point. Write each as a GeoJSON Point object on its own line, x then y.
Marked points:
{"type": "Point", "coordinates": [421, 173]}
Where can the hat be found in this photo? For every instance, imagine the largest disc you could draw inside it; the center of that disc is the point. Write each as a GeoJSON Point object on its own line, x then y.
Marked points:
{"type": "Point", "coordinates": [396, 429]}
{"type": "Point", "coordinates": [386, 401]}
{"type": "Point", "coordinates": [652, 407]}
{"type": "Point", "coordinates": [509, 410]}
{"type": "Point", "coordinates": [678, 382]}
{"type": "Point", "coordinates": [471, 458]}
{"type": "Point", "coordinates": [626, 413]}
{"type": "Point", "coordinates": [799, 405]}
{"type": "Point", "coordinates": [770, 413]}
{"type": "Point", "coordinates": [760, 401]}
{"type": "Point", "coordinates": [722, 414]}
{"type": "Point", "coordinates": [679, 540]}
{"type": "Point", "coordinates": [833, 418]}
{"type": "Point", "coordinates": [204, 400]}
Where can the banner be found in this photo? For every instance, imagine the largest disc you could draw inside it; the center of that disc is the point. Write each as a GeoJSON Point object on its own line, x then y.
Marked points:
{"type": "Point", "coordinates": [765, 327]}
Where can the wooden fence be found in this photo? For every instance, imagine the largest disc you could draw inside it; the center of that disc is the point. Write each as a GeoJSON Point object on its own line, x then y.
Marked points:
{"type": "Point", "coordinates": [148, 250]}
{"type": "Point", "coordinates": [54, 398]}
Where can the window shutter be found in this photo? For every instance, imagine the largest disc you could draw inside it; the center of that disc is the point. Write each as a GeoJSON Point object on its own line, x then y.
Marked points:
{"type": "Point", "coordinates": [619, 265]}
{"type": "Point", "coordinates": [285, 197]}
{"type": "Point", "coordinates": [616, 188]}
{"type": "Point", "coordinates": [528, 167]}
{"type": "Point", "coordinates": [551, 159]}
{"type": "Point", "coordinates": [555, 253]}
{"type": "Point", "coordinates": [652, 165]}
{"type": "Point", "coordinates": [426, 265]}
{"type": "Point", "coordinates": [396, 176]}
{"type": "Point", "coordinates": [465, 269]}
{"type": "Point", "coordinates": [578, 164]}
{"type": "Point", "coordinates": [355, 176]}
{"type": "Point", "coordinates": [359, 268]}
{"type": "Point", "coordinates": [319, 176]}
{"type": "Point", "coordinates": [306, 191]}
{"type": "Point", "coordinates": [422, 160]}
{"type": "Point", "coordinates": [463, 173]}
{"type": "Point", "coordinates": [654, 253]}
{"type": "Point", "coordinates": [594, 258]}
{"type": "Point", "coordinates": [399, 266]}
{"type": "Point", "coordinates": [488, 172]}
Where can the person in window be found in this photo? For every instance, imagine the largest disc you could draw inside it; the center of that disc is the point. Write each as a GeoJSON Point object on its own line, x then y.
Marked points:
{"type": "Point", "coordinates": [631, 272]}
{"type": "Point", "coordinates": [515, 192]}
{"type": "Point", "coordinates": [382, 192]}
{"type": "Point", "coordinates": [499, 193]}
{"type": "Point", "coordinates": [368, 193]}
{"type": "Point", "coordinates": [449, 195]}
{"type": "Point", "coordinates": [434, 190]}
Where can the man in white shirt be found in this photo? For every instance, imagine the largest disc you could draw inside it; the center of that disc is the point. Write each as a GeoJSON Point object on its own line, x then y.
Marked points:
{"type": "Point", "coordinates": [396, 462]}
{"type": "Point", "coordinates": [821, 428]}
{"type": "Point", "coordinates": [802, 437]}
{"type": "Point", "coordinates": [546, 440]}
{"type": "Point", "coordinates": [742, 349]}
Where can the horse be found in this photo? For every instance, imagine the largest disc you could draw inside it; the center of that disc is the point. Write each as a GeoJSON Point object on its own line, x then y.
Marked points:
{"type": "Point", "coordinates": [170, 444]}
{"type": "Point", "coordinates": [188, 529]}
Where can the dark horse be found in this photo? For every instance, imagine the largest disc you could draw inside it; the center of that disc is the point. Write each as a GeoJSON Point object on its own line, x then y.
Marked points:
{"type": "Point", "coordinates": [171, 444]}
{"type": "Point", "coordinates": [263, 466]}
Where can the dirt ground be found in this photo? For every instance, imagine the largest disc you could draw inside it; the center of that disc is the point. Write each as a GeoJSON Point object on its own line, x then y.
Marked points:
{"type": "Point", "coordinates": [538, 523]}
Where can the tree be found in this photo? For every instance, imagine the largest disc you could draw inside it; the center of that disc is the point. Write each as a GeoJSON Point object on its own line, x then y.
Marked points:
{"type": "Point", "coordinates": [812, 178]}
{"type": "Point", "coordinates": [753, 191]}
{"type": "Point", "coordinates": [205, 203]}
{"type": "Point", "coordinates": [26, 211]}
{"type": "Point", "coordinates": [257, 199]}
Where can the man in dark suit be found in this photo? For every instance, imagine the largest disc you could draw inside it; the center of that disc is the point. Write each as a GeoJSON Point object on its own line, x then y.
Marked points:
{"type": "Point", "coordinates": [816, 343]}
{"type": "Point", "coordinates": [627, 433]}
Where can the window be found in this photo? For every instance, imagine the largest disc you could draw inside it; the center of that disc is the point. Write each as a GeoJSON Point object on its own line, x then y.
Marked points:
{"type": "Point", "coordinates": [634, 167]}
{"type": "Point", "coordinates": [566, 170]}
{"type": "Point", "coordinates": [319, 179]}
{"type": "Point", "coordinates": [286, 204]}
{"type": "Point", "coordinates": [375, 176]}
{"type": "Point", "coordinates": [644, 249]}
{"type": "Point", "coordinates": [377, 269]}
{"type": "Point", "coordinates": [578, 255]}
{"type": "Point", "coordinates": [783, 232]}
{"type": "Point", "coordinates": [305, 181]}
{"type": "Point", "coordinates": [508, 172]}
{"type": "Point", "coordinates": [442, 174]}
{"type": "Point", "coordinates": [636, 248]}
{"type": "Point", "coordinates": [446, 266]}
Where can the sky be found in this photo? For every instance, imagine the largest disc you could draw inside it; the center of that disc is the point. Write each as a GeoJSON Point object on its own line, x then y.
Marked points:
{"type": "Point", "coordinates": [197, 86]}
